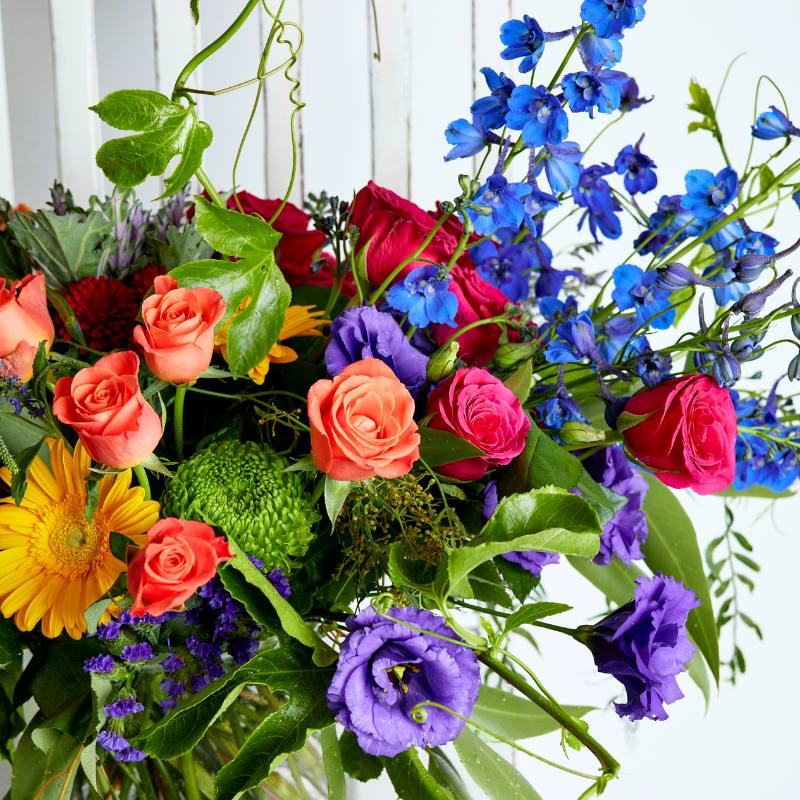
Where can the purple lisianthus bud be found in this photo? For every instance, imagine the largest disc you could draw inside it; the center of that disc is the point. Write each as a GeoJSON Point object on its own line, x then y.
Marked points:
{"type": "Point", "coordinates": [627, 529]}
{"type": "Point", "coordinates": [386, 669]}
{"type": "Point", "coordinates": [534, 561]}
{"type": "Point", "coordinates": [644, 645]}
{"type": "Point", "coordinates": [676, 276]}
{"type": "Point", "coordinates": [365, 332]}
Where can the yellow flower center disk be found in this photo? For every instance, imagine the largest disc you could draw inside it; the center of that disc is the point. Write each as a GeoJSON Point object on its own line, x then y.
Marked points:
{"type": "Point", "coordinates": [73, 540]}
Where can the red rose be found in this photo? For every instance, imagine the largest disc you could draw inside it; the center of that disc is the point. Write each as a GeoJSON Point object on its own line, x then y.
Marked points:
{"type": "Point", "coordinates": [180, 556]}
{"type": "Point", "coordinates": [688, 437]}
{"type": "Point", "coordinates": [478, 407]}
{"type": "Point", "coordinates": [394, 228]}
{"type": "Point", "coordinates": [477, 299]}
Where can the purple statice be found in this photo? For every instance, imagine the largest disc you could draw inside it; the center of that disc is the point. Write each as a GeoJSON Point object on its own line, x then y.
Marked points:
{"type": "Point", "coordinates": [133, 653]}
{"type": "Point", "coordinates": [644, 645]}
{"type": "Point", "coordinates": [624, 533]}
{"type": "Point", "coordinates": [102, 664]}
{"type": "Point", "coordinates": [386, 669]}
{"type": "Point", "coordinates": [172, 663]}
{"type": "Point", "coordinates": [117, 744]}
{"type": "Point", "coordinates": [174, 689]}
{"type": "Point", "coordinates": [280, 582]}
{"type": "Point", "coordinates": [123, 707]}
{"type": "Point", "coordinates": [365, 332]}
{"type": "Point", "coordinates": [241, 649]}
{"type": "Point", "coordinates": [109, 630]}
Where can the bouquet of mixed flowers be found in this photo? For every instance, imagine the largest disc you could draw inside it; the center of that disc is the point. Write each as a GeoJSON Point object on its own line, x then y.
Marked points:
{"type": "Point", "coordinates": [282, 483]}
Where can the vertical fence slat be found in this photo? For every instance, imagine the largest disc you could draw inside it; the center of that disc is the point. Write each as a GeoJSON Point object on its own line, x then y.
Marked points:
{"type": "Point", "coordinates": [390, 88]}
{"type": "Point", "coordinates": [278, 111]}
{"type": "Point", "coordinates": [6, 161]}
{"type": "Point", "coordinates": [75, 70]}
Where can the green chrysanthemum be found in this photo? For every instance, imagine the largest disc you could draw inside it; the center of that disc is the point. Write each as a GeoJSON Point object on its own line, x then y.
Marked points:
{"type": "Point", "coordinates": [242, 489]}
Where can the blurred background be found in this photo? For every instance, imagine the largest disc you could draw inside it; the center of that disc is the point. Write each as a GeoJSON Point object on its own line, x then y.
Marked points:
{"type": "Point", "coordinates": [385, 119]}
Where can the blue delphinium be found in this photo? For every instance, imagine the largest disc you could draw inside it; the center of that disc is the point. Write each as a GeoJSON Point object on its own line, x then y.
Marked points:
{"type": "Point", "coordinates": [634, 288]}
{"type": "Point", "coordinates": [721, 271]}
{"type": "Point", "coordinates": [575, 340]}
{"type": "Point", "coordinates": [504, 264]}
{"type": "Point", "coordinates": [651, 366]}
{"type": "Point", "coordinates": [594, 194]}
{"type": "Point", "coordinates": [638, 169]}
{"type": "Point", "coordinates": [523, 39]}
{"type": "Point", "coordinates": [538, 114]}
{"type": "Point", "coordinates": [755, 242]}
{"type": "Point", "coordinates": [610, 17]}
{"type": "Point", "coordinates": [562, 165]}
{"type": "Point", "coordinates": [537, 204]}
{"type": "Point", "coordinates": [631, 99]}
{"type": "Point", "coordinates": [505, 201]}
{"type": "Point", "coordinates": [774, 124]}
{"type": "Point", "coordinates": [558, 410]}
{"type": "Point", "coordinates": [597, 52]}
{"type": "Point", "coordinates": [731, 231]}
{"type": "Point", "coordinates": [492, 110]}
{"type": "Point", "coordinates": [707, 194]}
{"type": "Point", "coordinates": [467, 138]}
{"type": "Point", "coordinates": [669, 225]}
{"type": "Point", "coordinates": [424, 294]}
{"type": "Point", "coordinates": [599, 89]}
{"type": "Point", "coordinates": [614, 334]}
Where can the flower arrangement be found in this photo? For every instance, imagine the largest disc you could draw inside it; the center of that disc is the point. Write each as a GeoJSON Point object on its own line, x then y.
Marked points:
{"type": "Point", "coordinates": [281, 484]}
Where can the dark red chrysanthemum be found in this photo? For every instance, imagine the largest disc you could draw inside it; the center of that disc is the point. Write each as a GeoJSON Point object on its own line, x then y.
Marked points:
{"type": "Point", "coordinates": [141, 281]}
{"type": "Point", "coordinates": [106, 310]}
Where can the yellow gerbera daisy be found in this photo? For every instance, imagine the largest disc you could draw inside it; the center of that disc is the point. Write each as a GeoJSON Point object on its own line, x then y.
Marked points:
{"type": "Point", "coordinates": [299, 321]}
{"type": "Point", "coordinates": [54, 563]}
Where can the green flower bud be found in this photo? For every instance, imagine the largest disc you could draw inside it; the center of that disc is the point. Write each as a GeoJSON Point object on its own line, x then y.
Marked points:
{"type": "Point", "coordinates": [242, 488]}
{"type": "Point", "coordinates": [443, 362]}
{"type": "Point", "coordinates": [574, 432]}
{"type": "Point", "coordinates": [512, 354]}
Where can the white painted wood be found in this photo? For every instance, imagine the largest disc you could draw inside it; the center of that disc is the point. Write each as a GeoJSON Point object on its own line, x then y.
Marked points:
{"type": "Point", "coordinates": [6, 161]}
{"type": "Point", "coordinates": [176, 41]}
{"type": "Point", "coordinates": [391, 90]}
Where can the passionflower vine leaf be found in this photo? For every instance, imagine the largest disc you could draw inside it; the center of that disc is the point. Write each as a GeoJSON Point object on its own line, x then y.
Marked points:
{"type": "Point", "coordinates": [168, 129]}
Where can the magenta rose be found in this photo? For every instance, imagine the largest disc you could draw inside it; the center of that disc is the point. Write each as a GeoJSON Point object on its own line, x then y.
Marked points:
{"type": "Point", "coordinates": [478, 407]}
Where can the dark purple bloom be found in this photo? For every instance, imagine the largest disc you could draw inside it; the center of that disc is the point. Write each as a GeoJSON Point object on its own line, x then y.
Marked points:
{"type": "Point", "coordinates": [117, 744]}
{"type": "Point", "coordinates": [638, 169]}
{"type": "Point", "coordinates": [627, 529]}
{"type": "Point", "coordinates": [242, 650]}
{"type": "Point", "coordinates": [504, 264]}
{"type": "Point", "coordinates": [109, 631]}
{"type": "Point", "coordinates": [280, 582]}
{"type": "Point", "coordinates": [172, 662]}
{"type": "Point", "coordinates": [533, 560]}
{"type": "Point", "coordinates": [365, 332]}
{"type": "Point", "coordinates": [489, 499]}
{"type": "Point", "coordinates": [593, 193]}
{"type": "Point", "coordinates": [644, 645]}
{"type": "Point", "coordinates": [123, 707]}
{"type": "Point", "coordinates": [101, 664]}
{"type": "Point", "coordinates": [631, 100]}
{"type": "Point", "coordinates": [385, 669]}
{"type": "Point", "coordinates": [141, 651]}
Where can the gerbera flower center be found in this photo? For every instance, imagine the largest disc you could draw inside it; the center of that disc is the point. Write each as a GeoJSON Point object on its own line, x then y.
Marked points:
{"type": "Point", "coordinates": [73, 540]}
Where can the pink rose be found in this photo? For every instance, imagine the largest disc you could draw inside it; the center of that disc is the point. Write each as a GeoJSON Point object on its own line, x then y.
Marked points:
{"type": "Point", "coordinates": [104, 404]}
{"type": "Point", "coordinates": [180, 556]}
{"type": "Point", "coordinates": [178, 333]}
{"type": "Point", "coordinates": [688, 434]}
{"type": "Point", "coordinates": [24, 322]}
{"type": "Point", "coordinates": [478, 407]}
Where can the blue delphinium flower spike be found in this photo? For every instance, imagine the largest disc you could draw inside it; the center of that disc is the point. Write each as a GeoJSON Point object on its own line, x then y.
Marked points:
{"type": "Point", "coordinates": [538, 114]}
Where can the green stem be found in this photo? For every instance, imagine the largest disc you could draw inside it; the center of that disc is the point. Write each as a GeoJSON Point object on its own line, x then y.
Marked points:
{"type": "Point", "coordinates": [189, 777]}
{"type": "Point", "coordinates": [141, 476]}
{"type": "Point", "coordinates": [208, 185]}
{"type": "Point", "coordinates": [177, 419]}
{"type": "Point", "coordinates": [471, 326]}
{"type": "Point", "coordinates": [563, 65]}
{"type": "Point", "coordinates": [609, 763]}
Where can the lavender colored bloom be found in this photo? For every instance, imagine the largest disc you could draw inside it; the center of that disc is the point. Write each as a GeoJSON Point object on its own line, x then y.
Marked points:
{"type": "Point", "coordinates": [533, 560]}
{"type": "Point", "coordinates": [109, 631]}
{"type": "Point", "coordinates": [141, 651]}
{"type": "Point", "coordinates": [365, 332]}
{"type": "Point", "coordinates": [627, 529]}
{"type": "Point", "coordinates": [644, 645]}
{"type": "Point", "coordinates": [385, 669]}
{"type": "Point", "coordinates": [101, 664]}
{"type": "Point", "coordinates": [280, 582]}
{"type": "Point", "coordinates": [123, 707]}
{"type": "Point", "coordinates": [117, 744]}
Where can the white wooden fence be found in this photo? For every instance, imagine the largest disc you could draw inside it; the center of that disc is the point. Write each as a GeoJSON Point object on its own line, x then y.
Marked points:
{"type": "Point", "coordinates": [364, 117]}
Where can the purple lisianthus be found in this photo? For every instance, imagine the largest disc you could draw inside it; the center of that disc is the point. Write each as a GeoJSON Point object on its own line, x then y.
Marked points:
{"type": "Point", "coordinates": [386, 669]}
{"type": "Point", "coordinates": [644, 645]}
{"type": "Point", "coordinates": [365, 332]}
{"type": "Point", "coordinates": [627, 529]}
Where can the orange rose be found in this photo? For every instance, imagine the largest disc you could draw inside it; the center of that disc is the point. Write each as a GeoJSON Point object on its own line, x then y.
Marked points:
{"type": "Point", "coordinates": [362, 423]}
{"type": "Point", "coordinates": [104, 404]}
{"type": "Point", "coordinates": [178, 333]}
{"type": "Point", "coordinates": [24, 322]}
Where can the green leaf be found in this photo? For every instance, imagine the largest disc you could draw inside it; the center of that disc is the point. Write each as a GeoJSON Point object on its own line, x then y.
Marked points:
{"type": "Point", "coordinates": [404, 571]}
{"type": "Point", "coordinates": [549, 519]}
{"type": "Point", "coordinates": [332, 761]}
{"type": "Point", "coordinates": [532, 612]}
{"type": "Point", "coordinates": [64, 247]}
{"type": "Point", "coordinates": [94, 613]}
{"type": "Point", "coordinates": [488, 587]}
{"type": "Point", "coordinates": [671, 547]}
{"type": "Point", "coordinates": [520, 382]}
{"type": "Point", "coordinates": [19, 482]}
{"type": "Point", "coordinates": [33, 767]}
{"type": "Point", "coordinates": [291, 622]}
{"type": "Point", "coordinates": [446, 775]}
{"type": "Point", "coordinates": [182, 247]}
{"type": "Point", "coordinates": [358, 764]}
{"type": "Point", "coordinates": [20, 431]}
{"type": "Point", "coordinates": [701, 103]}
{"type": "Point", "coordinates": [254, 289]}
{"type": "Point", "coordinates": [438, 447]}
{"type": "Point", "coordinates": [517, 578]}
{"type": "Point", "coordinates": [411, 780]}
{"type": "Point", "coordinates": [514, 717]}
{"type": "Point", "coordinates": [766, 177]}
{"type": "Point", "coordinates": [67, 315]}
{"type": "Point", "coordinates": [194, 7]}
{"type": "Point", "coordinates": [499, 779]}
{"type": "Point", "coordinates": [168, 129]}
{"type": "Point", "coordinates": [335, 494]}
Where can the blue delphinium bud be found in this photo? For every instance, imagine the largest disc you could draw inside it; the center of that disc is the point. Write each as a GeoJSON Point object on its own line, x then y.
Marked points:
{"type": "Point", "coordinates": [773, 124]}
{"type": "Point", "coordinates": [751, 304]}
{"type": "Point", "coordinates": [746, 348]}
{"type": "Point", "coordinates": [794, 369]}
{"type": "Point", "coordinates": [796, 325]}
{"type": "Point", "coordinates": [750, 265]}
{"type": "Point", "coordinates": [726, 369]}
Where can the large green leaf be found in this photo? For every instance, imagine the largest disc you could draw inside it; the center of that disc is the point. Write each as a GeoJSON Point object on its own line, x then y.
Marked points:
{"type": "Point", "coordinates": [671, 547]}
{"type": "Point", "coordinates": [358, 764]}
{"type": "Point", "coordinates": [515, 717]}
{"type": "Point", "coordinates": [183, 247]}
{"type": "Point", "coordinates": [167, 129]}
{"type": "Point", "coordinates": [499, 779]}
{"type": "Point", "coordinates": [411, 780]}
{"type": "Point", "coordinates": [549, 519]}
{"type": "Point", "coordinates": [42, 773]}
{"type": "Point", "coordinates": [255, 291]}
{"type": "Point", "coordinates": [444, 772]}
{"type": "Point", "coordinates": [437, 447]}
{"type": "Point", "coordinates": [64, 247]}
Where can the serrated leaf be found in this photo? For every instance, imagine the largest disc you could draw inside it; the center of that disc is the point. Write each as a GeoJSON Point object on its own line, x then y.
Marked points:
{"type": "Point", "coordinates": [438, 447]}
{"type": "Point", "coordinates": [167, 130]}
{"type": "Point", "coordinates": [183, 247]}
{"type": "Point", "coordinates": [410, 778]}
